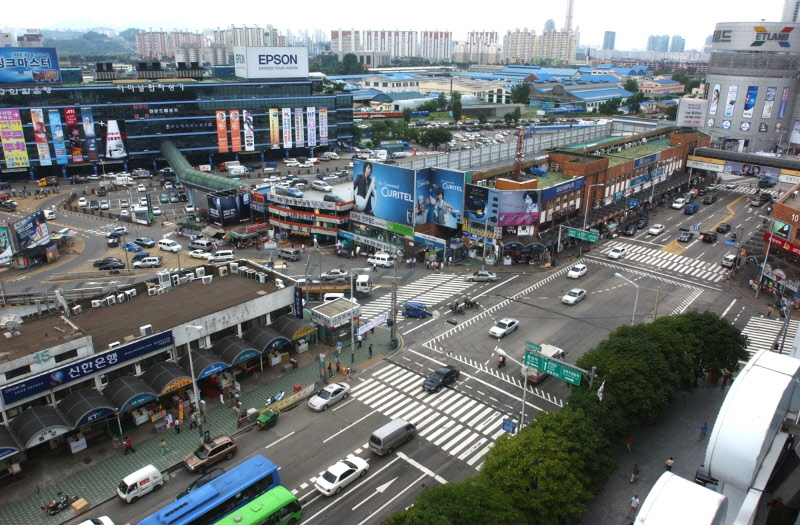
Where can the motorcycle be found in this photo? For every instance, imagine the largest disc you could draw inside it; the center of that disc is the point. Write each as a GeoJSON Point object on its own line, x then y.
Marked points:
{"type": "Point", "coordinates": [274, 399]}
{"type": "Point", "coordinates": [54, 507]}
{"type": "Point", "coordinates": [457, 309]}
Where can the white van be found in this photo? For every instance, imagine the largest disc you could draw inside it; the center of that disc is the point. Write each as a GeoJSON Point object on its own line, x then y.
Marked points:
{"type": "Point", "coordinates": [381, 259]}
{"type": "Point", "coordinates": [332, 296]}
{"type": "Point", "coordinates": [169, 245]}
{"type": "Point", "coordinates": [134, 486]}
{"type": "Point", "coordinates": [49, 215]}
{"type": "Point", "coordinates": [237, 170]}
{"type": "Point", "coordinates": [329, 155]}
{"type": "Point", "coordinates": [390, 436]}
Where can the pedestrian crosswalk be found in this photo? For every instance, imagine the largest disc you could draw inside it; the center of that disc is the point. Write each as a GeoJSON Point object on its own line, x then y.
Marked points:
{"type": "Point", "coordinates": [430, 290]}
{"type": "Point", "coordinates": [668, 262]}
{"type": "Point", "coordinates": [457, 423]}
{"type": "Point", "coordinates": [764, 332]}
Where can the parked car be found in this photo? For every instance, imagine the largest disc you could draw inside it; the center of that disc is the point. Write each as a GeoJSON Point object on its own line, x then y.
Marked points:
{"type": "Point", "coordinates": [157, 211]}
{"type": "Point", "coordinates": [210, 453]}
{"type": "Point", "coordinates": [481, 276]}
{"type": "Point", "coordinates": [148, 262]}
{"type": "Point", "coordinates": [105, 260]}
{"type": "Point", "coordinates": [83, 202]}
{"type": "Point", "coordinates": [113, 242]}
{"type": "Point", "coordinates": [329, 395]}
{"type": "Point", "coordinates": [131, 247]}
{"type": "Point", "coordinates": [294, 192]}
{"type": "Point", "coordinates": [112, 265]}
{"type": "Point", "coordinates": [104, 205]}
{"type": "Point", "coordinates": [335, 274]}
{"type": "Point", "coordinates": [642, 223]}
{"type": "Point", "coordinates": [321, 185]}
{"type": "Point", "coordinates": [340, 475]}
{"type": "Point", "coordinates": [200, 254]}
{"type": "Point", "coordinates": [164, 198]}
{"type": "Point", "coordinates": [189, 208]}
{"type": "Point", "coordinates": [124, 203]}
{"type": "Point", "coordinates": [630, 229]}
{"type": "Point", "coordinates": [94, 205]}
{"type": "Point", "coordinates": [729, 260]}
{"type": "Point", "coordinates": [117, 231]}
{"type": "Point", "coordinates": [440, 378]}
{"type": "Point", "coordinates": [503, 327]}
{"type": "Point", "coordinates": [145, 242]}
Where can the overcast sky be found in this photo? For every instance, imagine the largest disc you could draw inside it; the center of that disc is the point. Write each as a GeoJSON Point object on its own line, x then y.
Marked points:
{"type": "Point", "coordinates": [633, 20]}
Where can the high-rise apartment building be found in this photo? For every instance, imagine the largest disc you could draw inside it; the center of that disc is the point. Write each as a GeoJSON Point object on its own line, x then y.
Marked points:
{"type": "Point", "coordinates": [481, 47]}
{"type": "Point", "coordinates": [609, 39]}
{"type": "Point", "coordinates": [398, 44]}
{"type": "Point", "coordinates": [658, 43]}
{"type": "Point", "coordinates": [519, 46]}
{"type": "Point", "coordinates": [549, 25]}
{"type": "Point", "coordinates": [153, 45]}
{"type": "Point", "coordinates": [558, 45]}
{"type": "Point", "coordinates": [239, 36]}
{"type": "Point", "coordinates": [436, 45]}
{"type": "Point", "coordinates": [677, 45]}
{"type": "Point", "coordinates": [791, 11]}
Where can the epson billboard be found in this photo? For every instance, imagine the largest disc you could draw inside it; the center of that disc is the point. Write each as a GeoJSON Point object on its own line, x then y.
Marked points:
{"type": "Point", "coordinates": [270, 62]}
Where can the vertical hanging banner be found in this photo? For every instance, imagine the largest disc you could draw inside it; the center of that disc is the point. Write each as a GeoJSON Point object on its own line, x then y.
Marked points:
{"type": "Point", "coordinates": [299, 134]}
{"type": "Point", "coordinates": [236, 132]}
{"type": "Point", "coordinates": [249, 131]}
{"type": "Point", "coordinates": [750, 101]}
{"type": "Point", "coordinates": [57, 130]}
{"type": "Point", "coordinates": [784, 100]}
{"type": "Point", "coordinates": [323, 126]}
{"type": "Point", "coordinates": [12, 138]}
{"type": "Point", "coordinates": [115, 138]}
{"type": "Point", "coordinates": [311, 119]}
{"type": "Point", "coordinates": [274, 129]}
{"type": "Point", "coordinates": [287, 127]}
{"type": "Point", "coordinates": [222, 132]}
{"type": "Point", "coordinates": [74, 150]}
{"type": "Point", "coordinates": [89, 134]}
{"type": "Point", "coordinates": [40, 134]}
{"type": "Point", "coordinates": [769, 102]}
{"type": "Point", "coordinates": [730, 102]}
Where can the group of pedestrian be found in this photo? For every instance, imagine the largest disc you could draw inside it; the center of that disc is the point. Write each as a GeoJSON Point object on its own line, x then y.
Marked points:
{"type": "Point", "coordinates": [411, 262]}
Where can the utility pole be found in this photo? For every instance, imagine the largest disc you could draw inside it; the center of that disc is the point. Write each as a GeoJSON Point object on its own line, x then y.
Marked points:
{"type": "Point", "coordinates": [655, 308]}
{"type": "Point", "coordinates": [393, 331]}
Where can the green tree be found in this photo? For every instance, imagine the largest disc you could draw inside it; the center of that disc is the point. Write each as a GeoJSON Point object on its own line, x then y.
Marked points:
{"type": "Point", "coordinates": [721, 345]}
{"type": "Point", "coordinates": [407, 115]}
{"type": "Point", "coordinates": [542, 472]}
{"type": "Point", "coordinates": [508, 118]}
{"type": "Point", "coordinates": [630, 85]}
{"type": "Point", "coordinates": [348, 66]}
{"type": "Point", "coordinates": [428, 105]}
{"type": "Point", "coordinates": [458, 503]}
{"type": "Point", "coordinates": [434, 137]}
{"type": "Point", "coordinates": [482, 119]}
{"type": "Point", "coordinates": [516, 114]}
{"type": "Point", "coordinates": [441, 102]}
{"type": "Point", "coordinates": [379, 130]}
{"type": "Point", "coordinates": [520, 93]}
{"type": "Point", "coordinates": [457, 107]}
{"type": "Point", "coordinates": [672, 112]}
{"type": "Point", "coordinates": [129, 35]}
{"type": "Point", "coordinates": [609, 107]}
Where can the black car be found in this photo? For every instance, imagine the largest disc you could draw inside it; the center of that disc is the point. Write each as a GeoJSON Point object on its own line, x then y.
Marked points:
{"type": "Point", "coordinates": [685, 236]}
{"type": "Point", "coordinates": [724, 228]}
{"type": "Point", "coordinates": [112, 265]}
{"type": "Point", "coordinates": [182, 197]}
{"type": "Point", "coordinates": [106, 260]}
{"type": "Point", "coordinates": [710, 237]}
{"type": "Point", "coordinates": [145, 242]}
{"type": "Point", "coordinates": [441, 378]}
{"type": "Point", "coordinates": [139, 256]}
{"type": "Point", "coordinates": [702, 477]}
{"type": "Point", "coordinates": [641, 223]}
{"type": "Point", "coordinates": [630, 229]}
{"type": "Point", "coordinates": [94, 205]}
{"type": "Point", "coordinates": [8, 206]}
{"type": "Point", "coordinates": [112, 242]}
{"type": "Point", "coordinates": [766, 196]}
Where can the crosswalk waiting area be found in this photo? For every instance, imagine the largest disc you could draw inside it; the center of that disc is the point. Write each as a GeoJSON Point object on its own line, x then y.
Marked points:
{"type": "Point", "coordinates": [669, 262]}
{"type": "Point", "coordinates": [430, 290]}
{"type": "Point", "coordinates": [764, 332]}
{"type": "Point", "coordinates": [458, 424]}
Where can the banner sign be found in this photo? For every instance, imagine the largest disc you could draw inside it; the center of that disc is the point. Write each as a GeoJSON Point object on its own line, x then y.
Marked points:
{"type": "Point", "coordinates": [750, 101]}
{"type": "Point", "coordinates": [222, 132]}
{"type": "Point", "coordinates": [287, 127]}
{"type": "Point", "coordinates": [5, 246]}
{"type": "Point", "coordinates": [115, 136]}
{"type": "Point", "coordinates": [89, 134]}
{"type": "Point", "coordinates": [323, 126]}
{"type": "Point", "coordinates": [56, 129]}
{"type": "Point", "coordinates": [274, 129]}
{"type": "Point", "coordinates": [731, 100]}
{"type": "Point", "coordinates": [32, 231]}
{"type": "Point", "coordinates": [236, 132]}
{"type": "Point", "coordinates": [13, 140]}
{"type": "Point", "coordinates": [40, 135]}
{"type": "Point", "coordinates": [23, 65]}
{"type": "Point", "coordinates": [784, 100]}
{"type": "Point", "coordinates": [249, 131]}
{"type": "Point", "coordinates": [712, 106]}
{"type": "Point", "coordinates": [769, 102]}
{"type": "Point", "coordinates": [311, 119]}
{"type": "Point", "coordinates": [75, 149]}
{"type": "Point", "coordinates": [299, 134]}
{"type": "Point", "coordinates": [384, 191]}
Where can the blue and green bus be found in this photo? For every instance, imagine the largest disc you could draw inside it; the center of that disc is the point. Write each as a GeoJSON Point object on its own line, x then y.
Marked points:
{"type": "Point", "coordinates": [221, 496]}
{"type": "Point", "coordinates": [276, 507]}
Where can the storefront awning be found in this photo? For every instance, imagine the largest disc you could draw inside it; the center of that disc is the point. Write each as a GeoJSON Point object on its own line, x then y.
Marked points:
{"type": "Point", "coordinates": [127, 393]}
{"type": "Point", "coordinates": [293, 328]}
{"type": "Point", "coordinates": [263, 338]}
{"type": "Point", "coordinates": [523, 241]}
{"type": "Point", "coordinates": [85, 406]}
{"type": "Point", "coordinates": [205, 363]}
{"type": "Point", "coordinates": [37, 425]}
{"type": "Point", "coordinates": [8, 444]}
{"type": "Point", "coordinates": [213, 231]}
{"type": "Point", "coordinates": [242, 236]}
{"type": "Point", "coordinates": [166, 377]}
{"type": "Point", "coordinates": [233, 350]}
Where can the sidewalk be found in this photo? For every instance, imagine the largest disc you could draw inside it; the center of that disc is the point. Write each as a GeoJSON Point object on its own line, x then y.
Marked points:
{"type": "Point", "coordinates": [94, 474]}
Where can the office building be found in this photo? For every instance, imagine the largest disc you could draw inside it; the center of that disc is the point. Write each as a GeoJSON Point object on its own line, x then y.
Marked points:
{"type": "Point", "coordinates": [609, 39]}
{"type": "Point", "coordinates": [658, 43]}
{"type": "Point", "coordinates": [791, 11]}
{"type": "Point", "coordinates": [30, 38]}
{"type": "Point", "coordinates": [677, 45]}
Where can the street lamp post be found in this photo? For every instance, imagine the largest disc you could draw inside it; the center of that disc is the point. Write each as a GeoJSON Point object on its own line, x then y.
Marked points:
{"type": "Point", "coordinates": [194, 384]}
{"type": "Point", "coordinates": [766, 253]}
{"type": "Point", "coordinates": [636, 299]}
{"type": "Point", "coordinates": [524, 386]}
{"type": "Point", "coordinates": [589, 204]}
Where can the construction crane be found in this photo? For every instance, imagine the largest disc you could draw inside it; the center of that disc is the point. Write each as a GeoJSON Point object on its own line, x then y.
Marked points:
{"type": "Point", "coordinates": [519, 156]}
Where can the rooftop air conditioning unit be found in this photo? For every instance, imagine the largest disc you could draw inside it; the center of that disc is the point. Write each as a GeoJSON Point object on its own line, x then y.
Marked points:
{"type": "Point", "coordinates": [223, 271]}
{"type": "Point", "coordinates": [114, 344]}
{"type": "Point", "coordinates": [200, 271]}
{"type": "Point", "coordinates": [207, 279]}
{"type": "Point", "coordinates": [77, 310]}
{"type": "Point", "coordinates": [96, 303]}
{"type": "Point", "coordinates": [146, 330]}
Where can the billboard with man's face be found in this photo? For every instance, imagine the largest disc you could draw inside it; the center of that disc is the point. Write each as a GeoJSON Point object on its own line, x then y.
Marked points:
{"type": "Point", "coordinates": [386, 192]}
{"type": "Point", "coordinates": [32, 231]}
{"type": "Point", "coordinates": [438, 197]}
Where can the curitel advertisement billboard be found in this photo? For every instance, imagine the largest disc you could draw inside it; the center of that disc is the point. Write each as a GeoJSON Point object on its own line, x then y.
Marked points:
{"type": "Point", "coordinates": [386, 192]}
{"type": "Point", "coordinates": [228, 208]}
{"type": "Point", "coordinates": [23, 65]}
{"type": "Point", "coordinates": [32, 231]}
{"type": "Point", "coordinates": [476, 203]}
{"type": "Point", "coordinates": [438, 197]}
{"type": "Point", "coordinates": [270, 62]}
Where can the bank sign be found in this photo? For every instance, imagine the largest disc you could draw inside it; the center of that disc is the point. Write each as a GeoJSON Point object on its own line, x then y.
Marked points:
{"type": "Point", "coordinates": [270, 62]}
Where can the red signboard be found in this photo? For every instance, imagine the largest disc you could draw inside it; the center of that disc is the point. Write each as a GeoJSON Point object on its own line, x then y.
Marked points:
{"type": "Point", "coordinates": [780, 243]}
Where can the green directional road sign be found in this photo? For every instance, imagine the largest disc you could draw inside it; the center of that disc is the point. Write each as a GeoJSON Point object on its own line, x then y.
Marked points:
{"type": "Point", "coordinates": [540, 362]}
{"type": "Point", "coordinates": [531, 346]}
{"type": "Point", "coordinates": [582, 235]}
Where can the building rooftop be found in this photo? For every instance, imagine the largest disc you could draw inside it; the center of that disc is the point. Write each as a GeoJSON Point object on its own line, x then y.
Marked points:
{"type": "Point", "coordinates": [627, 155]}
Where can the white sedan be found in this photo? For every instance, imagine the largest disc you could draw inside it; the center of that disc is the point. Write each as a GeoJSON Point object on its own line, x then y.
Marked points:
{"type": "Point", "coordinates": [481, 276]}
{"type": "Point", "coordinates": [656, 229]}
{"type": "Point", "coordinates": [340, 475]}
{"type": "Point", "coordinates": [574, 296]}
{"type": "Point", "coordinates": [678, 203]}
{"type": "Point", "coordinates": [577, 271]}
{"type": "Point", "coordinates": [141, 188]}
{"type": "Point", "coordinates": [83, 202]}
{"type": "Point", "coordinates": [200, 254]}
{"type": "Point", "coordinates": [328, 396]}
{"type": "Point", "coordinates": [503, 327]}
{"type": "Point", "coordinates": [189, 208]}
{"type": "Point", "coordinates": [617, 252]}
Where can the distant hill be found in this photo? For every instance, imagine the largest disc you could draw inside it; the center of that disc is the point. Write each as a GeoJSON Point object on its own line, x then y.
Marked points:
{"type": "Point", "coordinates": [89, 46]}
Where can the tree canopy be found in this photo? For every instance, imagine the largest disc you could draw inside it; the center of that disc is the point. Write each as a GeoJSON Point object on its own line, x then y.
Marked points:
{"type": "Point", "coordinates": [521, 93]}
{"type": "Point", "coordinates": [457, 108]}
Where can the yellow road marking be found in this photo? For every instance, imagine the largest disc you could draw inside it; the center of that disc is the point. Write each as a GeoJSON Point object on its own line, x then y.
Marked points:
{"type": "Point", "coordinates": [674, 247]}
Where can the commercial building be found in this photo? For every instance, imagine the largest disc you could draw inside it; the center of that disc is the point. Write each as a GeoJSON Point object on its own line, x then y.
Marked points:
{"type": "Point", "coordinates": [677, 45]}
{"type": "Point", "coordinates": [660, 86]}
{"type": "Point", "coordinates": [753, 86]}
{"type": "Point", "coordinates": [609, 39]}
{"type": "Point", "coordinates": [658, 43]}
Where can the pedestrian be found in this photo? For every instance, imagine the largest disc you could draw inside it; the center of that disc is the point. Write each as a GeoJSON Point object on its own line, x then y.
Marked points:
{"type": "Point", "coordinates": [374, 268]}
{"type": "Point", "coordinates": [635, 474]}
{"type": "Point", "coordinates": [370, 350]}
{"type": "Point", "coordinates": [163, 446]}
{"type": "Point", "coordinates": [414, 260]}
{"type": "Point", "coordinates": [128, 446]}
{"type": "Point", "coordinates": [338, 363]}
{"type": "Point", "coordinates": [302, 248]}
{"type": "Point", "coordinates": [177, 426]}
{"type": "Point", "coordinates": [703, 431]}
{"type": "Point", "coordinates": [669, 464]}
{"type": "Point", "coordinates": [634, 505]}
{"type": "Point", "coordinates": [628, 443]}
{"type": "Point", "coordinates": [725, 379]}
{"type": "Point", "coordinates": [169, 420]}
{"type": "Point", "coordinates": [372, 331]}
{"type": "Point", "coordinates": [330, 370]}
{"type": "Point", "coordinates": [193, 424]}
{"type": "Point", "coordinates": [770, 308]}
{"type": "Point", "coordinates": [501, 361]}
{"type": "Point", "coordinates": [360, 340]}
{"type": "Point", "coordinates": [222, 398]}
{"type": "Point", "coordinates": [349, 373]}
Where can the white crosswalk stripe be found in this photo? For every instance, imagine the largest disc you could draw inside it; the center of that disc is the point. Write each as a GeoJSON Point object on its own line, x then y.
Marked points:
{"type": "Point", "coordinates": [430, 290]}
{"type": "Point", "coordinates": [669, 261]}
{"type": "Point", "coordinates": [459, 424]}
{"type": "Point", "coordinates": [764, 332]}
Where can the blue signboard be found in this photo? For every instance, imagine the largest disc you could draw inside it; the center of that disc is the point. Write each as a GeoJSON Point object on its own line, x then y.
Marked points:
{"type": "Point", "coordinates": [8, 451]}
{"type": "Point", "coordinates": [696, 228]}
{"type": "Point", "coordinates": [85, 367]}
{"type": "Point", "coordinates": [27, 65]}
{"type": "Point", "coordinates": [644, 161]}
{"type": "Point", "coordinates": [216, 368]}
{"type": "Point", "coordinates": [386, 192]}
{"type": "Point", "coordinates": [94, 415]}
{"type": "Point", "coordinates": [138, 400]}
{"type": "Point", "coordinates": [633, 202]}
{"type": "Point", "coordinates": [298, 302]}
{"type": "Point", "coordinates": [509, 427]}
{"type": "Point", "coordinates": [560, 189]}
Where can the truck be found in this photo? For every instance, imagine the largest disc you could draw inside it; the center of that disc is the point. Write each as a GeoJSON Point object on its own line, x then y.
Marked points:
{"type": "Point", "coordinates": [122, 180]}
{"type": "Point", "coordinates": [329, 155]}
{"type": "Point", "coordinates": [235, 171]}
{"type": "Point", "coordinates": [316, 290]}
{"type": "Point", "coordinates": [379, 154]}
{"type": "Point", "coordinates": [548, 351]}
{"type": "Point", "coordinates": [226, 166]}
